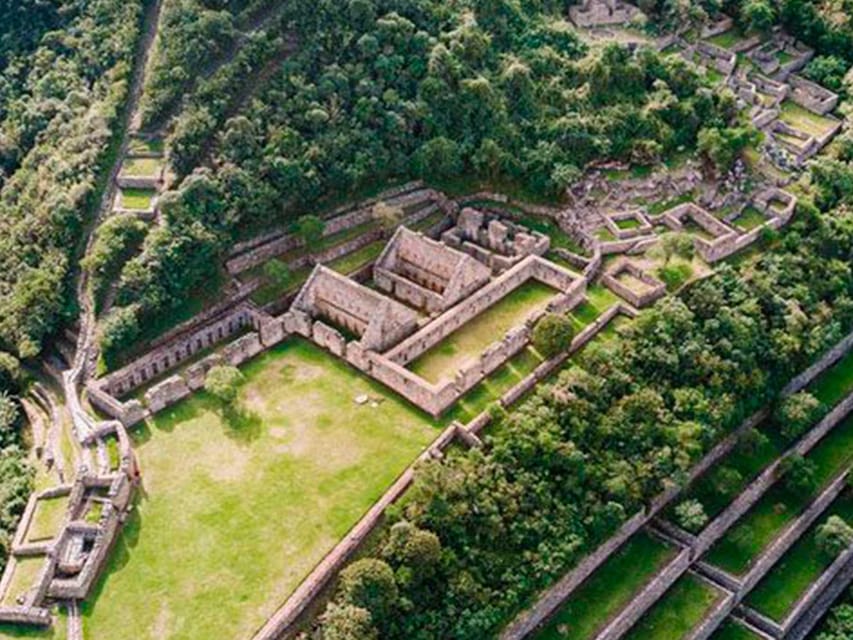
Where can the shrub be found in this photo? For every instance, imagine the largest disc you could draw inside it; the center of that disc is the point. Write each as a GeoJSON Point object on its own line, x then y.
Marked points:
{"type": "Point", "coordinates": [553, 334]}
{"type": "Point", "coordinates": [222, 382]}
{"type": "Point", "coordinates": [369, 583]}
{"type": "Point", "coordinates": [796, 413]}
{"type": "Point", "coordinates": [691, 515]}
{"type": "Point", "coordinates": [798, 474]}
{"type": "Point", "coordinates": [834, 536]}
{"type": "Point", "coordinates": [675, 275]}
{"type": "Point", "coordinates": [348, 622]}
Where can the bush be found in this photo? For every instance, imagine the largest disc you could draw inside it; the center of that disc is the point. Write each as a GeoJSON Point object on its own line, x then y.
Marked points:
{"type": "Point", "coordinates": [691, 515]}
{"type": "Point", "coordinates": [553, 334]}
{"type": "Point", "coordinates": [348, 622]}
{"type": "Point", "coordinates": [834, 536]}
{"type": "Point", "coordinates": [675, 275]}
{"type": "Point", "coordinates": [798, 474]}
{"type": "Point", "coordinates": [369, 584]}
{"type": "Point", "coordinates": [796, 413]}
{"type": "Point", "coordinates": [222, 382]}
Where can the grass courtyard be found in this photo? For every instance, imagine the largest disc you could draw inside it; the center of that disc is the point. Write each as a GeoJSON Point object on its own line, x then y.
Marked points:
{"type": "Point", "coordinates": [144, 167]}
{"type": "Point", "coordinates": [608, 590]}
{"type": "Point", "coordinates": [137, 199]}
{"type": "Point", "coordinates": [237, 507]}
{"type": "Point", "coordinates": [672, 617]}
{"type": "Point", "coordinates": [47, 519]}
{"type": "Point", "coordinates": [804, 120]}
{"type": "Point", "coordinates": [466, 343]}
{"type": "Point", "coordinates": [25, 570]}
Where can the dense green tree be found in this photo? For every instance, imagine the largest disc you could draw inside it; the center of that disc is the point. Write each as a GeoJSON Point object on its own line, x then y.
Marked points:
{"type": "Point", "coordinates": [553, 334]}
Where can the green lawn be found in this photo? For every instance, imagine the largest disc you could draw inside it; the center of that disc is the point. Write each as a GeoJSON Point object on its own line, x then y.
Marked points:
{"type": "Point", "coordinates": [141, 166]}
{"type": "Point", "coordinates": [238, 506]}
{"type": "Point", "coordinates": [834, 384]}
{"type": "Point", "coordinates": [466, 343]}
{"type": "Point", "coordinates": [627, 223]}
{"type": "Point", "coordinates": [686, 603]}
{"type": "Point", "coordinates": [141, 145]}
{"type": "Point", "coordinates": [731, 630]}
{"type": "Point", "coordinates": [757, 528]}
{"type": "Point", "coordinates": [137, 199]}
{"type": "Point", "coordinates": [750, 219]}
{"type": "Point", "coordinates": [47, 518]}
{"type": "Point", "coordinates": [24, 576]}
{"type": "Point", "coordinates": [804, 120]}
{"type": "Point", "coordinates": [494, 386]}
{"type": "Point", "coordinates": [357, 259]}
{"type": "Point", "coordinates": [727, 39]}
{"type": "Point", "coordinates": [660, 206]}
{"type": "Point", "coordinates": [780, 589]}
{"type": "Point", "coordinates": [608, 590]}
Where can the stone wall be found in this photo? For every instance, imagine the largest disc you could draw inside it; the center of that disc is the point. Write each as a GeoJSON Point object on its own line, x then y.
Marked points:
{"type": "Point", "coordinates": [656, 289]}
{"type": "Point", "coordinates": [720, 612]}
{"type": "Point", "coordinates": [169, 355]}
{"type": "Point", "coordinates": [716, 28]}
{"type": "Point", "coordinates": [650, 594]}
{"type": "Point", "coordinates": [409, 196]}
{"type": "Point", "coordinates": [817, 603]}
{"type": "Point", "coordinates": [828, 359]}
{"type": "Point", "coordinates": [531, 267]}
{"type": "Point", "coordinates": [811, 95]}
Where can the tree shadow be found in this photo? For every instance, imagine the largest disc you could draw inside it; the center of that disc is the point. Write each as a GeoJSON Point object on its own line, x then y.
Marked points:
{"type": "Point", "coordinates": [242, 424]}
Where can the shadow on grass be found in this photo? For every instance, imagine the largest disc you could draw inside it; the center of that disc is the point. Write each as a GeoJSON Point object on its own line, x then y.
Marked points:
{"type": "Point", "coordinates": [119, 555]}
{"type": "Point", "coordinates": [242, 424]}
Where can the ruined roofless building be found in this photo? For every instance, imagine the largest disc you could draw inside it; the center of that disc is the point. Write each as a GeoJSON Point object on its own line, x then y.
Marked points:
{"type": "Point", "coordinates": [377, 320]}
{"type": "Point", "coordinates": [427, 274]}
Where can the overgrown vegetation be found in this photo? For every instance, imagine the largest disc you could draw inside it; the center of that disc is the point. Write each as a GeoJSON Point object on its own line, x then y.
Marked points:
{"type": "Point", "coordinates": [579, 457]}
{"type": "Point", "coordinates": [384, 90]}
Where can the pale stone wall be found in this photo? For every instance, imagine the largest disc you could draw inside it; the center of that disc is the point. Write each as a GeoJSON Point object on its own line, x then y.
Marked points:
{"type": "Point", "coordinates": [596, 13]}
{"type": "Point", "coordinates": [656, 290]}
{"type": "Point", "coordinates": [650, 594]}
{"type": "Point", "coordinates": [171, 354]}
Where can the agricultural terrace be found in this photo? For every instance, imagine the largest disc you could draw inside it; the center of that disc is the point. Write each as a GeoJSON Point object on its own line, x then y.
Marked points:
{"type": "Point", "coordinates": [238, 505]}
{"type": "Point", "coordinates": [777, 594]}
{"type": "Point", "coordinates": [744, 542]}
{"type": "Point", "coordinates": [466, 343]}
{"type": "Point", "coordinates": [608, 590]}
{"type": "Point", "coordinates": [672, 617]}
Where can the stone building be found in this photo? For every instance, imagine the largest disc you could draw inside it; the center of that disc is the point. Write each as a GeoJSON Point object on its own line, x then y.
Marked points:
{"type": "Point", "coordinates": [377, 320]}
{"type": "Point", "coordinates": [425, 273]}
{"type": "Point", "coordinates": [595, 13]}
{"type": "Point", "coordinates": [493, 240]}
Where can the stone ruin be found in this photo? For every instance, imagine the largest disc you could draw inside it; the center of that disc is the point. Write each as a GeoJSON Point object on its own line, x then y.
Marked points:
{"type": "Point", "coordinates": [75, 557]}
{"type": "Point", "coordinates": [766, 56]}
{"type": "Point", "coordinates": [376, 319]}
{"type": "Point", "coordinates": [710, 55]}
{"type": "Point", "coordinates": [811, 95]}
{"type": "Point", "coordinates": [598, 13]}
{"type": "Point", "coordinates": [648, 289]}
{"type": "Point", "coordinates": [494, 241]}
{"type": "Point", "coordinates": [426, 274]}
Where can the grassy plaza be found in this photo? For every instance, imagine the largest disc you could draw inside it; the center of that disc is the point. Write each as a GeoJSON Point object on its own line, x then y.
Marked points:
{"type": "Point", "coordinates": [465, 344]}
{"type": "Point", "coordinates": [237, 506]}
